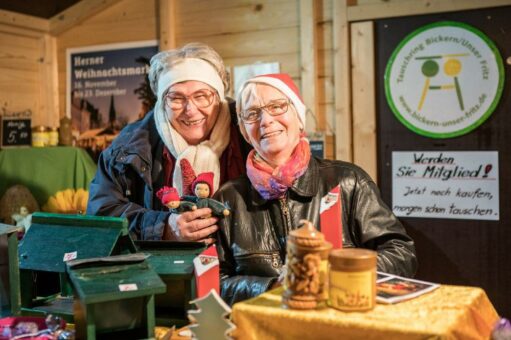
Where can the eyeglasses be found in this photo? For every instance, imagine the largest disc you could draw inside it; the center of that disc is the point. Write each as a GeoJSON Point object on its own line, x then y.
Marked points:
{"type": "Point", "coordinates": [274, 108]}
{"type": "Point", "coordinates": [202, 99]}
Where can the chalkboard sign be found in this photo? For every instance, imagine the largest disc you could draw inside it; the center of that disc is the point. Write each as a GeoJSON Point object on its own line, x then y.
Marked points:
{"type": "Point", "coordinates": [15, 132]}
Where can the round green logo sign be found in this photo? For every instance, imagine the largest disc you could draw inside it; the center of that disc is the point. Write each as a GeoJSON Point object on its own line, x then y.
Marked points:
{"type": "Point", "coordinates": [444, 79]}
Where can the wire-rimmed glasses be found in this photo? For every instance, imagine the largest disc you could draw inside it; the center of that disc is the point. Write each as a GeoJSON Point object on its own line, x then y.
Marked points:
{"type": "Point", "coordinates": [201, 99]}
{"type": "Point", "coordinates": [275, 108]}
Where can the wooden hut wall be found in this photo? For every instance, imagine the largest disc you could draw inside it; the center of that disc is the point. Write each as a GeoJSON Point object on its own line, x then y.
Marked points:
{"type": "Point", "coordinates": [26, 63]}
{"type": "Point", "coordinates": [243, 32]}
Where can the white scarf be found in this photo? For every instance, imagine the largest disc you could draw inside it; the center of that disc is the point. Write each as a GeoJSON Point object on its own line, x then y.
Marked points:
{"type": "Point", "coordinates": [203, 157]}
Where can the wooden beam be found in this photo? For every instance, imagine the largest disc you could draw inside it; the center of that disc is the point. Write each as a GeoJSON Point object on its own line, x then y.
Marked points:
{"type": "Point", "coordinates": [364, 97]}
{"type": "Point", "coordinates": [78, 13]}
{"type": "Point", "coordinates": [20, 31]}
{"type": "Point", "coordinates": [49, 112]}
{"type": "Point", "coordinates": [23, 21]}
{"type": "Point", "coordinates": [391, 9]}
{"type": "Point", "coordinates": [309, 63]}
{"type": "Point", "coordinates": [167, 10]}
{"type": "Point", "coordinates": [342, 81]}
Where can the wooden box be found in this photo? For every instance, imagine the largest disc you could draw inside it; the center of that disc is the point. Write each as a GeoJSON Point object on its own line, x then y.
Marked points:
{"type": "Point", "coordinates": [10, 299]}
{"type": "Point", "coordinates": [51, 241]}
{"type": "Point", "coordinates": [173, 261]}
{"type": "Point", "coordinates": [114, 297]}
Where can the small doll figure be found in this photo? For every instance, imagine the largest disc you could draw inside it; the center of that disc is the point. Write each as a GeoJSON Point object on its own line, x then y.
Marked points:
{"type": "Point", "coordinates": [201, 187]}
{"type": "Point", "coordinates": [170, 198]}
{"type": "Point", "coordinates": [23, 219]}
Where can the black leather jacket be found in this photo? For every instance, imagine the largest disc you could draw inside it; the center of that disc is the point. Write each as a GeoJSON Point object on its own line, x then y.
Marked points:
{"type": "Point", "coordinates": [251, 241]}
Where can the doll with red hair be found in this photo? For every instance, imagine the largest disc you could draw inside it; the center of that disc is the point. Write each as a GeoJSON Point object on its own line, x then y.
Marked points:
{"type": "Point", "coordinates": [169, 197]}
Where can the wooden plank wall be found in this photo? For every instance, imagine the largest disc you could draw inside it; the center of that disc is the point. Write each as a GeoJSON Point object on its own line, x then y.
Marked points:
{"type": "Point", "coordinates": [26, 51]}
{"type": "Point", "coordinates": [242, 31]}
{"type": "Point", "coordinates": [248, 31]}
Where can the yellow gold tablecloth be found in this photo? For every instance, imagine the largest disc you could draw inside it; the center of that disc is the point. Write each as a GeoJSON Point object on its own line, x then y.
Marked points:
{"type": "Point", "coordinates": [449, 312]}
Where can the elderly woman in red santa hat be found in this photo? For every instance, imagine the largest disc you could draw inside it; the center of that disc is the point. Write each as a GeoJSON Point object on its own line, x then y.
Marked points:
{"type": "Point", "coordinates": [285, 184]}
{"type": "Point", "coordinates": [192, 120]}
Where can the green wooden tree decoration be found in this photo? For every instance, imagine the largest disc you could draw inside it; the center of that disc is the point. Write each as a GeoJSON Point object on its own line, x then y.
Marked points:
{"type": "Point", "coordinates": [211, 320]}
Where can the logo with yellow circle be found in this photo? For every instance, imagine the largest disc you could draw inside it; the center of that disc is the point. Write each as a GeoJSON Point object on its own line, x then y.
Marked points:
{"type": "Point", "coordinates": [444, 79]}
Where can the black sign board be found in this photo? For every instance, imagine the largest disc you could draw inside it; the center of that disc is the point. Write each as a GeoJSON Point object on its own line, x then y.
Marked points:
{"type": "Point", "coordinates": [317, 148]}
{"type": "Point", "coordinates": [15, 131]}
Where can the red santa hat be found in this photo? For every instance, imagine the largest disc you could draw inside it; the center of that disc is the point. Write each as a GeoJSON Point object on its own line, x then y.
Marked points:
{"type": "Point", "coordinates": [204, 177]}
{"type": "Point", "coordinates": [282, 82]}
{"type": "Point", "coordinates": [167, 194]}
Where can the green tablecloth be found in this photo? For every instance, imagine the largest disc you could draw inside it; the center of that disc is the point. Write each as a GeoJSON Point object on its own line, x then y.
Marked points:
{"type": "Point", "coordinates": [44, 171]}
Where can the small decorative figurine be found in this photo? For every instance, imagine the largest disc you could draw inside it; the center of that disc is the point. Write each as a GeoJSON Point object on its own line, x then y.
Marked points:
{"type": "Point", "coordinates": [170, 198]}
{"type": "Point", "coordinates": [202, 188]}
{"type": "Point", "coordinates": [23, 218]}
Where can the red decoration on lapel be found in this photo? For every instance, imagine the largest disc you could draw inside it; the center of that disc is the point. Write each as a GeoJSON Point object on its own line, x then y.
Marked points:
{"type": "Point", "coordinates": [330, 216]}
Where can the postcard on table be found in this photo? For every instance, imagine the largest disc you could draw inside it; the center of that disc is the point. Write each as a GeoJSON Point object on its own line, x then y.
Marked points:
{"type": "Point", "coordinates": [393, 288]}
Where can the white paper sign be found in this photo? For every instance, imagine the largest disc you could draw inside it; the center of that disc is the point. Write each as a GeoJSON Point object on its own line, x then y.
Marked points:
{"type": "Point", "coordinates": [70, 256]}
{"type": "Point", "coordinates": [459, 185]}
{"type": "Point", "coordinates": [128, 287]}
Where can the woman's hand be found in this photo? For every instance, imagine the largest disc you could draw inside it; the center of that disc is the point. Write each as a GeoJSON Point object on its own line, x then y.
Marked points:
{"type": "Point", "coordinates": [192, 226]}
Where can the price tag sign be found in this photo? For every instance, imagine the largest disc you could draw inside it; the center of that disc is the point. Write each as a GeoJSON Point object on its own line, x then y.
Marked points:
{"type": "Point", "coordinates": [70, 256]}
{"type": "Point", "coordinates": [128, 287]}
{"type": "Point", "coordinates": [15, 131]}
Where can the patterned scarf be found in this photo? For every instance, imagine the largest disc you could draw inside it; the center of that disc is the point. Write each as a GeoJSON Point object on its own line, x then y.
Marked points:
{"type": "Point", "coordinates": [273, 183]}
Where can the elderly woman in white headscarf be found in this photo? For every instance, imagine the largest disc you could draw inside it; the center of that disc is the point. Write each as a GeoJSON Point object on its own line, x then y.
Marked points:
{"type": "Point", "coordinates": [285, 184]}
{"type": "Point", "coordinates": [192, 124]}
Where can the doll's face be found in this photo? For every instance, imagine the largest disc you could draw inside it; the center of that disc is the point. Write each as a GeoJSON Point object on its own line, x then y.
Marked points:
{"type": "Point", "coordinates": [201, 190]}
{"type": "Point", "coordinates": [173, 204]}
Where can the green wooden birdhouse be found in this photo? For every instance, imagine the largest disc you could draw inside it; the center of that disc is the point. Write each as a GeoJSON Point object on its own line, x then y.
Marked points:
{"type": "Point", "coordinates": [51, 241]}
{"type": "Point", "coordinates": [173, 261]}
{"type": "Point", "coordinates": [10, 299]}
{"type": "Point", "coordinates": [114, 297]}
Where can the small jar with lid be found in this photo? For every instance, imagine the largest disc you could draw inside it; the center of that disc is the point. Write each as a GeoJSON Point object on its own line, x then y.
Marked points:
{"type": "Point", "coordinates": [306, 281]}
{"type": "Point", "coordinates": [352, 279]}
{"type": "Point", "coordinates": [53, 136]}
{"type": "Point", "coordinates": [40, 136]}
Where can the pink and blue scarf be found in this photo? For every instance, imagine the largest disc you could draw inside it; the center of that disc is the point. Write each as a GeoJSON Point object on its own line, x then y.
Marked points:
{"type": "Point", "coordinates": [273, 183]}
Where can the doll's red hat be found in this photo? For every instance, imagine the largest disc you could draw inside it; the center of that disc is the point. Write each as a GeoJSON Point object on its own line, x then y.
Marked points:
{"type": "Point", "coordinates": [167, 194]}
{"type": "Point", "coordinates": [204, 177]}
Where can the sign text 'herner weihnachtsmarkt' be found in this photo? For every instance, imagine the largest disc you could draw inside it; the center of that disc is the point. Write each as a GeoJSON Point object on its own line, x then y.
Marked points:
{"type": "Point", "coordinates": [444, 79]}
{"type": "Point", "coordinates": [460, 185]}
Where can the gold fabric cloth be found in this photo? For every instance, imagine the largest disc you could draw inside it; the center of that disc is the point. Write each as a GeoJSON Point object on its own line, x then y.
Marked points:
{"type": "Point", "coordinates": [449, 312]}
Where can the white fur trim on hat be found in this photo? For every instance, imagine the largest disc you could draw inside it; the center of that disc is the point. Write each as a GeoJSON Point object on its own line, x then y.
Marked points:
{"type": "Point", "coordinates": [191, 69]}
